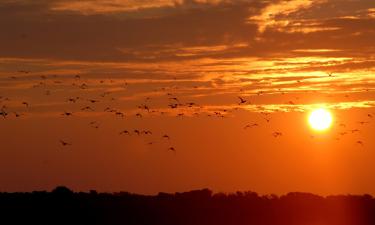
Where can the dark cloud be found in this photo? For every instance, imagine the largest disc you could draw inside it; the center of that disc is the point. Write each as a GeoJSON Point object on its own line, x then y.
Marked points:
{"type": "Point", "coordinates": [185, 31]}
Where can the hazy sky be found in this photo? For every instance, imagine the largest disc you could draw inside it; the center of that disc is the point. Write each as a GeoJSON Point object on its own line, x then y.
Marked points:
{"type": "Point", "coordinates": [179, 68]}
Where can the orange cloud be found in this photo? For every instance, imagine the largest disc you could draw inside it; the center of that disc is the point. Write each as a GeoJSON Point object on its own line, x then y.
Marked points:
{"type": "Point", "coordinates": [269, 16]}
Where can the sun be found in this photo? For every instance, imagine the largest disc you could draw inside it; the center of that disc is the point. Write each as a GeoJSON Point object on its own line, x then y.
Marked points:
{"type": "Point", "coordinates": [320, 119]}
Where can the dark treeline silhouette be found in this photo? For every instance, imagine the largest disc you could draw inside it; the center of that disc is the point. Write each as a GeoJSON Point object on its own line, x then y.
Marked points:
{"type": "Point", "coordinates": [200, 207]}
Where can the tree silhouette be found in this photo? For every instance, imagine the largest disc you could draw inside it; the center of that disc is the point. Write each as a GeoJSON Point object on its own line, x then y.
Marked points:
{"type": "Point", "coordinates": [198, 207]}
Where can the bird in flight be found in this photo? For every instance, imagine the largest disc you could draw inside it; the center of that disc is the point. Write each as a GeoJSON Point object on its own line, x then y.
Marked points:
{"type": "Point", "coordinates": [166, 136]}
{"type": "Point", "coordinates": [93, 101]}
{"type": "Point", "coordinates": [146, 132]}
{"type": "Point", "coordinates": [242, 101]}
{"type": "Point", "coordinates": [124, 132]}
{"type": "Point", "coordinates": [17, 114]}
{"type": "Point", "coordinates": [64, 143]}
{"type": "Point", "coordinates": [173, 106]}
{"type": "Point", "coordinates": [174, 98]}
{"type": "Point", "coordinates": [3, 113]}
{"type": "Point", "coordinates": [87, 108]}
{"type": "Point", "coordinates": [276, 134]}
{"type": "Point", "coordinates": [251, 125]}
{"type": "Point", "coordinates": [120, 114]}
{"type": "Point", "coordinates": [67, 114]}
{"type": "Point", "coordinates": [73, 100]}
{"type": "Point", "coordinates": [172, 149]}
{"type": "Point", "coordinates": [267, 119]}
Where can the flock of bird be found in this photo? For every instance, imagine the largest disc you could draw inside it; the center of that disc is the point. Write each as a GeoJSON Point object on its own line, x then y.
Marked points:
{"type": "Point", "coordinates": [175, 105]}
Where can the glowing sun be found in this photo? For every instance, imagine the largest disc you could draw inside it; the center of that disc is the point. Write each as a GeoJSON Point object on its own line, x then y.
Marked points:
{"type": "Point", "coordinates": [320, 119]}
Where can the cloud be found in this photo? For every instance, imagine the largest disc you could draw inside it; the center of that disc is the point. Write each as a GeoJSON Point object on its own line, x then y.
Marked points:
{"type": "Point", "coordinates": [117, 6]}
{"type": "Point", "coordinates": [269, 16]}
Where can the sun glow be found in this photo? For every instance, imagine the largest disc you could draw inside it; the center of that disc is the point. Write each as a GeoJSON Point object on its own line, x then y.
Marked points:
{"type": "Point", "coordinates": [320, 119]}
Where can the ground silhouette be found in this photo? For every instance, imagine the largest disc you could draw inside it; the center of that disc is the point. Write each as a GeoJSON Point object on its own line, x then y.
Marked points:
{"type": "Point", "coordinates": [198, 207]}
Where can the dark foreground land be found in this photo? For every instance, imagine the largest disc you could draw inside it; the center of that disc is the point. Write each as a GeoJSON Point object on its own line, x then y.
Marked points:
{"type": "Point", "coordinates": [201, 207]}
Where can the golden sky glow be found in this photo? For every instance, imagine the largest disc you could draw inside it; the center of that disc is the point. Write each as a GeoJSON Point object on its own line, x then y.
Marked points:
{"type": "Point", "coordinates": [230, 83]}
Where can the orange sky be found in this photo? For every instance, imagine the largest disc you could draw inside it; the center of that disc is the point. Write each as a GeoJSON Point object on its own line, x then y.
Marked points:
{"type": "Point", "coordinates": [285, 58]}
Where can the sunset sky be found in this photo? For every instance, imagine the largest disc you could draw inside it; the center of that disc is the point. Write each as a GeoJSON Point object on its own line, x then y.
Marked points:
{"type": "Point", "coordinates": [76, 75]}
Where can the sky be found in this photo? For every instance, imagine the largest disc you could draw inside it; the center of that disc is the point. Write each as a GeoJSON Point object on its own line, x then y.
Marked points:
{"type": "Point", "coordinates": [174, 95]}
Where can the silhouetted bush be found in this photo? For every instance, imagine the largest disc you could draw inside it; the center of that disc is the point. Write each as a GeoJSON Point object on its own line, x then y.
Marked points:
{"type": "Point", "coordinates": [198, 207]}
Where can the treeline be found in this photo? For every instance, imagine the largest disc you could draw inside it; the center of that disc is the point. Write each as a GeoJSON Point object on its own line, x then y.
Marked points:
{"type": "Point", "coordinates": [200, 207]}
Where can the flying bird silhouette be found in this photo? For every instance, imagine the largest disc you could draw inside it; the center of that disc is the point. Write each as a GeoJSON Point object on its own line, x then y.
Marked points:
{"type": "Point", "coordinates": [276, 134]}
{"type": "Point", "coordinates": [242, 101]}
{"type": "Point", "coordinates": [87, 108]}
{"type": "Point", "coordinates": [166, 136]}
{"type": "Point", "coordinates": [125, 132]}
{"type": "Point", "coordinates": [67, 114]}
{"type": "Point", "coordinates": [172, 149]}
{"type": "Point", "coordinates": [64, 143]}
{"type": "Point", "coordinates": [250, 125]}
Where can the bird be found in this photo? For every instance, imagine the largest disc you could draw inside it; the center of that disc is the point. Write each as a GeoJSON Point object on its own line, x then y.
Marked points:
{"type": "Point", "coordinates": [93, 122]}
{"type": "Point", "coordinates": [146, 132]}
{"type": "Point", "coordinates": [67, 114]}
{"type": "Point", "coordinates": [137, 132]}
{"type": "Point", "coordinates": [25, 103]}
{"type": "Point", "coordinates": [190, 104]}
{"type": "Point", "coordinates": [138, 115]}
{"type": "Point", "coordinates": [251, 125]}
{"type": "Point", "coordinates": [260, 93]}
{"type": "Point", "coordinates": [277, 134]}
{"type": "Point", "coordinates": [266, 119]}
{"type": "Point", "coordinates": [173, 106]}
{"type": "Point", "coordinates": [16, 114]}
{"type": "Point", "coordinates": [74, 100]}
{"type": "Point", "coordinates": [109, 110]}
{"type": "Point", "coordinates": [83, 86]}
{"type": "Point", "coordinates": [145, 107]}
{"type": "Point", "coordinates": [119, 114]}
{"type": "Point", "coordinates": [166, 136]}
{"type": "Point", "coordinates": [172, 149]}
{"type": "Point", "coordinates": [3, 113]}
{"type": "Point", "coordinates": [63, 143]}
{"type": "Point", "coordinates": [242, 101]}
{"type": "Point", "coordinates": [174, 98]}
{"type": "Point", "coordinates": [87, 108]}
{"type": "Point", "coordinates": [125, 132]}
